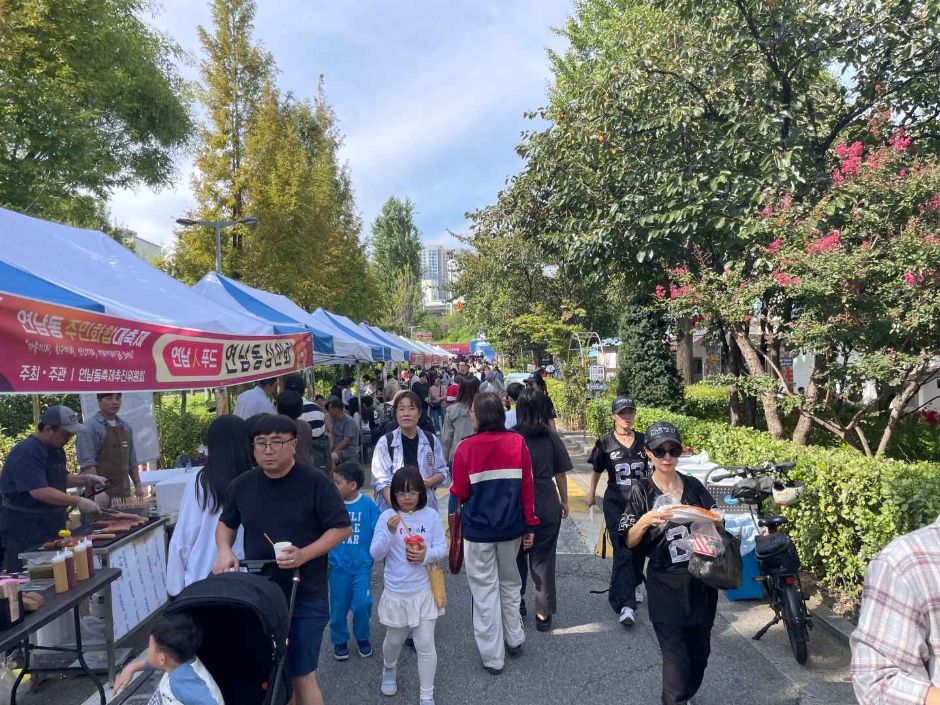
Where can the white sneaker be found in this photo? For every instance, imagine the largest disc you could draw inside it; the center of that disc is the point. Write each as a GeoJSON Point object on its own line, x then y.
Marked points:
{"type": "Point", "coordinates": [627, 617]}
{"type": "Point", "coordinates": [389, 681]}
{"type": "Point", "coordinates": [638, 593]}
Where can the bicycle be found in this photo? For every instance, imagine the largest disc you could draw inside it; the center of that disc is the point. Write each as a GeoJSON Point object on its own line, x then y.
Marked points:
{"type": "Point", "coordinates": [776, 554]}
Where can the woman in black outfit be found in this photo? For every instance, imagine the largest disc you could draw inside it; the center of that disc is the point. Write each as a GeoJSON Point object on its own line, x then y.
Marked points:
{"type": "Point", "coordinates": [550, 463]}
{"type": "Point", "coordinates": [681, 608]}
{"type": "Point", "coordinates": [620, 454]}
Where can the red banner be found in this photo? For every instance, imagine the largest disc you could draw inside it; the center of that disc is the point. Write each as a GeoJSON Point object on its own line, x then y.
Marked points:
{"type": "Point", "coordinates": [50, 349]}
{"type": "Point", "coordinates": [455, 348]}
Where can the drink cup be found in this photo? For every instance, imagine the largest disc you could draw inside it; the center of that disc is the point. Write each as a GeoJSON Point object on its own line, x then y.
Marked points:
{"type": "Point", "coordinates": [280, 547]}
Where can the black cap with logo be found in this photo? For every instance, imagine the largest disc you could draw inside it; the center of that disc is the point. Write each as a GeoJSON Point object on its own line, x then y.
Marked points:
{"type": "Point", "coordinates": [621, 403]}
{"type": "Point", "coordinates": [662, 432]}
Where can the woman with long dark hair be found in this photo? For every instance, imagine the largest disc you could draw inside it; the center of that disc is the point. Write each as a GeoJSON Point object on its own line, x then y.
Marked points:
{"type": "Point", "coordinates": [550, 463]}
{"type": "Point", "coordinates": [192, 549]}
{"type": "Point", "coordinates": [536, 381]}
{"type": "Point", "coordinates": [492, 478]}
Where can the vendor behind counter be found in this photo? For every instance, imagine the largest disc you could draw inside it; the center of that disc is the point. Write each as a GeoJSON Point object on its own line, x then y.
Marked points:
{"type": "Point", "coordinates": [33, 483]}
{"type": "Point", "coordinates": [105, 447]}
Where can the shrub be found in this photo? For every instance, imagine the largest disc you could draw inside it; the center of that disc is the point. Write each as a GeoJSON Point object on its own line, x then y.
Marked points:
{"type": "Point", "coordinates": [704, 401]}
{"type": "Point", "coordinates": [647, 371]}
{"type": "Point", "coordinates": [180, 434]}
{"type": "Point", "coordinates": [9, 439]}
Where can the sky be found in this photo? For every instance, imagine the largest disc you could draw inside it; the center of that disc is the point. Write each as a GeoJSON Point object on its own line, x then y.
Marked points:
{"type": "Point", "coordinates": [429, 94]}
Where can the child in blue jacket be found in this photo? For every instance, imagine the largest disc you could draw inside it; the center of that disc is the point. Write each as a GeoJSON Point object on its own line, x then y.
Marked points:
{"type": "Point", "coordinates": [351, 565]}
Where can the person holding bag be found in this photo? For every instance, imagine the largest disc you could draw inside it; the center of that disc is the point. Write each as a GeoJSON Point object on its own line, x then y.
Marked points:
{"type": "Point", "coordinates": [681, 607]}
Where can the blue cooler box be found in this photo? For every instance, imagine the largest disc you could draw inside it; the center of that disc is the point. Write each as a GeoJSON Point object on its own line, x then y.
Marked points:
{"type": "Point", "coordinates": [750, 589]}
{"type": "Point", "coordinates": [742, 526]}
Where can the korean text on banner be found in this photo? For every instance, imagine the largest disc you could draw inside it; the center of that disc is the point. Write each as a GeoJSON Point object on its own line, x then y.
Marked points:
{"type": "Point", "coordinates": [51, 349]}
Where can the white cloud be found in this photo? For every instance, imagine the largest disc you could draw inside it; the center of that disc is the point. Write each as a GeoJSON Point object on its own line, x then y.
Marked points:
{"type": "Point", "coordinates": [429, 96]}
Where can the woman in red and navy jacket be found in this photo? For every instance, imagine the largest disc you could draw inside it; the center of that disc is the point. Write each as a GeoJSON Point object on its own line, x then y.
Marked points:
{"type": "Point", "coordinates": [492, 477]}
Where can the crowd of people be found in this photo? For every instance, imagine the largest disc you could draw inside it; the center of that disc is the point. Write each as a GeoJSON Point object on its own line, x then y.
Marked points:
{"type": "Point", "coordinates": [290, 471]}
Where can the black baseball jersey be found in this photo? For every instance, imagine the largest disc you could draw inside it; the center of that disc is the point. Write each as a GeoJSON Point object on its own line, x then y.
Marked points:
{"type": "Point", "coordinates": [624, 466]}
{"type": "Point", "coordinates": [675, 597]}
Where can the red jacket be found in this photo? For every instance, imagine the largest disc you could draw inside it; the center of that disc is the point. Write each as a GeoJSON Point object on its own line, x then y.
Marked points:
{"type": "Point", "coordinates": [492, 477]}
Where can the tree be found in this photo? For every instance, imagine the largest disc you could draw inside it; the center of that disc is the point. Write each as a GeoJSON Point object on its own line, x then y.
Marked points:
{"type": "Point", "coordinates": [91, 102]}
{"type": "Point", "coordinates": [647, 372]}
{"type": "Point", "coordinates": [403, 303]}
{"type": "Point", "coordinates": [854, 280]}
{"type": "Point", "coordinates": [396, 242]}
{"type": "Point", "coordinates": [675, 122]}
{"type": "Point", "coordinates": [234, 75]}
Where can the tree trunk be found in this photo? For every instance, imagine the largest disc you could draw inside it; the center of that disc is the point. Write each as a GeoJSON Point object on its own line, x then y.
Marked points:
{"type": "Point", "coordinates": [747, 405]}
{"type": "Point", "coordinates": [805, 423]}
{"type": "Point", "coordinates": [734, 368]}
{"type": "Point", "coordinates": [684, 350]}
{"type": "Point", "coordinates": [898, 405]}
{"type": "Point", "coordinates": [755, 368]}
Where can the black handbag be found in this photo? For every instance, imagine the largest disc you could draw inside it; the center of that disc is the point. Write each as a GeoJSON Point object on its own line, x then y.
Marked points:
{"type": "Point", "coordinates": [723, 571]}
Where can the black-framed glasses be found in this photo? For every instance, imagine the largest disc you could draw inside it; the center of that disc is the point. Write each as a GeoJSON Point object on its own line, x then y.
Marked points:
{"type": "Point", "coordinates": [663, 452]}
{"type": "Point", "coordinates": [262, 446]}
{"type": "Point", "coordinates": [409, 493]}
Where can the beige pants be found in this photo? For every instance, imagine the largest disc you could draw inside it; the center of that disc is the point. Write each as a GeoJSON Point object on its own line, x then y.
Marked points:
{"type": "Point", "coordinates": [494, 586]}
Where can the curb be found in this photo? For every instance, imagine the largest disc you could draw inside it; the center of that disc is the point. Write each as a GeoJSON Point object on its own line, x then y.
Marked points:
{"type": "Point", "coordinates": [837, 627]}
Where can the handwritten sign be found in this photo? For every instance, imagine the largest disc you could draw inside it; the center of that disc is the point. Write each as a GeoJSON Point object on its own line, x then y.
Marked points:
{"type": "Point", "coordinates": [141, 589]}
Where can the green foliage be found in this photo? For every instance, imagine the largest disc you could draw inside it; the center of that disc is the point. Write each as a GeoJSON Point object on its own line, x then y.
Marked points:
{"type": "Point", "coordinates": [450, 328]}
{"type": "Point", "coordinates": [396, 242]}
{"type": "Point", "coordinates": [647, 371]}
{"type": "Point", "coordinates": [402, 303]}
{"type": "Point", "coordinates": [705, 401]}
{"type": "Point", "coordinates": [180, 433]}
{"type": "Point", "coordinates": [573, 395]}
{"type": "Point", "coordinates": [853, 506]}
{"type": "Point", "coordinates": [91, 101]}
{"type": "Point", "coordinates": [16, 410]}
{"type": "Point", "coordinates": [8, 439]}
{"type": "Point", "coordinates": [273, 157]}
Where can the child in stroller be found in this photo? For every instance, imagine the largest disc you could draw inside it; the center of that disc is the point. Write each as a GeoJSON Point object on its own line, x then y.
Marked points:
{"type": "Point", "coordinates": [244, 620]}
{"type": "Point", "coordinates": [174, 641]}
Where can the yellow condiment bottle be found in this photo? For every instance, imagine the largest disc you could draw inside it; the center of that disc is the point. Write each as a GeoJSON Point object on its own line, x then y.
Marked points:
{"type": "Point", "coordinates": [60, 573]}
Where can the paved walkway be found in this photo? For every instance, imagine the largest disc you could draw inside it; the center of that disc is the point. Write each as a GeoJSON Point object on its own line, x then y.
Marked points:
{"type": "Point", "coordinates": [588, 658]}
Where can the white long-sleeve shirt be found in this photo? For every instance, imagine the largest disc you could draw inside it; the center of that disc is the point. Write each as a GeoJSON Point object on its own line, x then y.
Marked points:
{"type": "Point", "coordinates": [384, 465]}
{"type": "Point", "coordinates": [192, 549]}
{"type": "Point", "coordinates": [253, 401]}
{"type": "Point", "coordinates": [401, 576]}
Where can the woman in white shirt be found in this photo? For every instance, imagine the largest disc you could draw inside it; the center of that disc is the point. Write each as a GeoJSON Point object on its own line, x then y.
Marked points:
{"type": "Point", "coordinates": [192, 548]}
{"type": "Point", "coordinates": [407, 445]}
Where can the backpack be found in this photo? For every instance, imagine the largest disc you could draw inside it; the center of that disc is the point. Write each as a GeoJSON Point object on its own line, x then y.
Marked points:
{"type": "Point", "coordinates": [391, 434]}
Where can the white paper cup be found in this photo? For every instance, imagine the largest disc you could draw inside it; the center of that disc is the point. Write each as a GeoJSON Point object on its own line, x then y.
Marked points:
{"type": "Point", "coordinates": [280, 547]}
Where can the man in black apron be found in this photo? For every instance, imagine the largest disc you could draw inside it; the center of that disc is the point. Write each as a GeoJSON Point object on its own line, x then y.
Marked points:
{"type": "Point", "coordinates": [33, 484]}
{"type": "Point", "coordinates": [105, 447]}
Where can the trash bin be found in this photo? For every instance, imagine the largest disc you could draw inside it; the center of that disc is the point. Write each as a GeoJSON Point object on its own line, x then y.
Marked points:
{"type": "Point", "coordinates": [742, 526]}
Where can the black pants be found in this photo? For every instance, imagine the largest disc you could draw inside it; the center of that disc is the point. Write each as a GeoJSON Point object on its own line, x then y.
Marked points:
{"type": "Point", "coordinates": [627, 570]}
{"type": "Point", "coordinates": [541, 560]}
{"type": "Point", "coordinates": [685, 653]}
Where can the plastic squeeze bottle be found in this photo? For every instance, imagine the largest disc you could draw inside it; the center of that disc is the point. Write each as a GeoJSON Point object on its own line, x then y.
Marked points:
{"type": "Point", "coordinates": [60, 573]}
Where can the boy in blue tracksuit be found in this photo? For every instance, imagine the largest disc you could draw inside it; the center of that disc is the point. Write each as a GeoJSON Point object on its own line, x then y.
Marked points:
{"type": "Point", "coordinates": [351, 565]}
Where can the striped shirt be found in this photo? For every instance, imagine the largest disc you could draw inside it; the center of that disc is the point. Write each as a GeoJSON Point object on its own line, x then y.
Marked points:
{"type": "Point", "coordinates": [896, 647]}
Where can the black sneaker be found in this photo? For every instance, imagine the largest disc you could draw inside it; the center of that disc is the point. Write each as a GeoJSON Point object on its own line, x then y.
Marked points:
{"type": "Point", "coordinates": [514, 650]}
{"type": "Point", "coordinates": [492, 671]}
{"type": "Point", "coordinates": [522, 609]}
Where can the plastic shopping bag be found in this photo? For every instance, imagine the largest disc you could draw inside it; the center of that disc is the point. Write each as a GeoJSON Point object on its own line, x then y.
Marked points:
{"type": "Point", "coordinates": [706, 541]}
{"type": "Point", "coordinates": [723, 571]}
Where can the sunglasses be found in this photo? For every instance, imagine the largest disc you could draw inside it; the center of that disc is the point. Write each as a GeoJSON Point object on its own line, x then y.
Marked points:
{"type": "Point", "coordinates": [663, 452]}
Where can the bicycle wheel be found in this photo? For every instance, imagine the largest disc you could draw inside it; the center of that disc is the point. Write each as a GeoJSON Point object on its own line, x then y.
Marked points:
{"type": "Point", "coordinates": [794, 619]}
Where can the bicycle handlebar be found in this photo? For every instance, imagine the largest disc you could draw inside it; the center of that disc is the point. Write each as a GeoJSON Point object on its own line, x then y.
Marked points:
{"type": "Point", "coordinates": [724, 472]}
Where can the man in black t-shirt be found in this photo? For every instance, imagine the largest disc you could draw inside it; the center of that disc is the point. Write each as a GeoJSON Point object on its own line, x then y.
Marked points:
{"type": "Point", "coordinates": [292, 502]}
{"type": "Point", "coordinates": [620, 455]}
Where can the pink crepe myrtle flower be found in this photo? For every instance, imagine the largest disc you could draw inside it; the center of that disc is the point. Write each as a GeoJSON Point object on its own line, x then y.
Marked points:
{"type": "Point", "coordinates": [824, 244]}
{"type": "Point", "coordinates": [866, 245]}
{"type": "Point", "coordinates": [930, 417]}
{"type": "Point", "coordinates": [678, 271]}
{"type": "Point", "coordinates": [767, 211]}
{"type": "Point", "coordinates": [900, 141]}
{"type": "Point", "coordinates": [660, 291]}
{"type": "Point", "coordinates": [775, 245]}
{"type": "Point", "coordinates": [902, 173]}
{"type": "Point", "coordinates": [911, 279]}
{"type": "Point", "coordinates": [787, 202]}
{"type": "Point", "coordinates": [785, 279]}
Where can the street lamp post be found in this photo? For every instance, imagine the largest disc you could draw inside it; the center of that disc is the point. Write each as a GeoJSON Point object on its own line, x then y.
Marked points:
{"type": "Point", "coordinates": [217, 226]}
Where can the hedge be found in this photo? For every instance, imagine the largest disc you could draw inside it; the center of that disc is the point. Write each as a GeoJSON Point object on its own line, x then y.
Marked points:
{"type": "Point", "coordinates": [853, 505]}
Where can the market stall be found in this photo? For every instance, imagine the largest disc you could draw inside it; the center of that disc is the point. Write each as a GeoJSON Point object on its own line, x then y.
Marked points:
{"type": "Point", "coordinates": [56, 606]}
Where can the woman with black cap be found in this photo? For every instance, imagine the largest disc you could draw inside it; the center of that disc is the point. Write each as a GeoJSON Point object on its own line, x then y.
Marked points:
{"type": "Point", "coordinates": [620, 454]}
{"type": "Point", "coordinates": [681, 608]}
